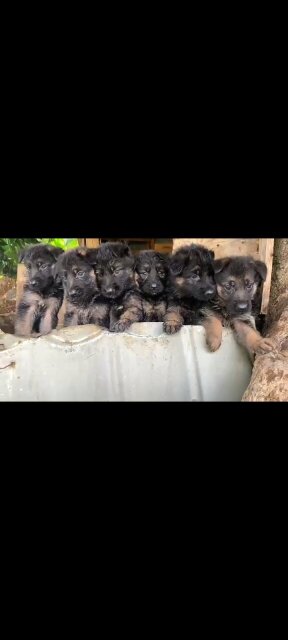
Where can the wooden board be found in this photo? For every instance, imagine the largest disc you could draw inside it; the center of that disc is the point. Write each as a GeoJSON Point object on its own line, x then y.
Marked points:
{"type": "Point", "coordinates": [223, 247]}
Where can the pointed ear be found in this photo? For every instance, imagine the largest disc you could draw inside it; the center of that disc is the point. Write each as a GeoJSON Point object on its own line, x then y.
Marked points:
{"type": "Point", "coordinates": [212, 254]}
{"type": "Point", "coordinates": [91, 256]}
{"type": "Point", "coordinates": [126, 249]}
{"type": "Point", "coordinates": [56, 251]}
{"type": "Point", "coordinates": [177, 263]}
{"type": "Point", "coordinates": [55, 273]}
{"type": "Point", "coordinates": [220, 264]}
{"type": "Point", "coordinates": [22, 255]}
{"type": "Point", "coordinates": [261, 269]}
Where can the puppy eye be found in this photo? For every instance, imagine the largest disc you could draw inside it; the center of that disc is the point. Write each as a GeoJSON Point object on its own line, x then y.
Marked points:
{"type": "Point", "coordinates": [249, 285]}
{"type": "Point", "coordinates": [229, 285]}
{"type": "Point", "coordinates": [42, 267]}
{"type": "Point", "coordinates": [117, 271]}
{"type": "Point", "coordinates": [195, 275]}
{"type": "Point", "coordinates": [80, 274]}
{"type": "Point", "coordinates": [161, 274]}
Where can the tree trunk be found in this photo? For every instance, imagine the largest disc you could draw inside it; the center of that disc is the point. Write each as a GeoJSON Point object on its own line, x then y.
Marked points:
{"type": "Point", "coordinates": [269, 380]}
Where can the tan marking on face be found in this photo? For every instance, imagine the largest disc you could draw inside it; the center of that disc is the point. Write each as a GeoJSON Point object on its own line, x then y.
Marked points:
{"type": "Point", "coordinates": [180, 281]}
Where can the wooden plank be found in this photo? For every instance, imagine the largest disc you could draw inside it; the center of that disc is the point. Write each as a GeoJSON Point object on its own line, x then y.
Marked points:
{"type": "Point", "coordinates": [92, 243]}
{"type": "Point", "coordinates": [81, 242]}
{"type": "Point", "coordinates": [266, 249]}
{"type": "Point", "coordinates": [22, 276]}
{"type": "Point", "coordinates": [223, 247]}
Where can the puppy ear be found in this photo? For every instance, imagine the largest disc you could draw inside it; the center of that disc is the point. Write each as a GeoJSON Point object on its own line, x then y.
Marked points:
{"type": "Point", "coordinates": [212, 254]}
{"type": "Point", "coordinates": [56, 251]}
{"type": "Point", "coordinates": [91, 256]}
{"type": "Point", "coordinates": [126, 249]}
{"type": "Point", "coordinates": [220, 264]}
{"type": "Point", "coordinates": [177, 263]}
{"type": "Point", "coordinates": [261, 269]}
{"type": "Point", "coordinates": [56, 273]}
{"type": "Point", "coordinates": [22, 254]}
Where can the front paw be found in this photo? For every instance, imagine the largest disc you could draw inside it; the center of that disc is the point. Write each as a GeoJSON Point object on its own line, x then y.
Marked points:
{"type": "Point", "coordinates": [213, 342]}
{"type": "Point", "coordinates": [264, 346]}
{"type": "Point", "coordinates": [172, 326]}
{"type": "Point", "coordinates": [120, 326]}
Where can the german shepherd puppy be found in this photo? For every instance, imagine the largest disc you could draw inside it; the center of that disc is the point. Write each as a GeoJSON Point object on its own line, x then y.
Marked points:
{"type": "Point", "coordinates": [42, 296]}
{"type": "Point", "coordinates": [151, 271]}
{"type": "Point", "coordinates": [190, 284]}
{"type": "Point", "coordinates": [84, 304]}
{"type": "Point", "coordinates": [114, 267]}
{"type": "Point", "coordinates": [237, 281]}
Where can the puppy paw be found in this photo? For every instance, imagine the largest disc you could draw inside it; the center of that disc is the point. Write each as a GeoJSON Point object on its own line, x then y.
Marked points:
{"type": "Point", "coordinates": [264, 346]}
{"type": "Point", "coordinates": [172, 326]}
{"type": "Point", "coordinates": [120, 326]}
{"type": "Point", "coordinates": [213, 343]}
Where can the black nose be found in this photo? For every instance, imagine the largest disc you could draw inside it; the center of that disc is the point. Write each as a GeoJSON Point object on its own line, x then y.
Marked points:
{"type": "Point", "coordinates": [242, 306]}
{"type": "Point", "coordinates": [209, 292]}
{"type": "Point", "coordinates": [153, 286]}
{"type": "Point", "coordinates": [108, 290]}
{"type": "Point", "coordinates": [72, 292]}
{"type": "Point", "coordinates": [33, 282]}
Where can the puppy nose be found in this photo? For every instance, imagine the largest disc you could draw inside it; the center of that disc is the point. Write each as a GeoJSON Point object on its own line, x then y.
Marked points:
{"type": "Point", "coordinates": [242, 305]}
{"type": "Point", "coordinates": [109, 290]}
{"type": "Point", "coordinates": [33, 282]}
{"type": "Point", "coordinates": [209, 292]}
{"type": "Point", "coordinates": [72, 292]}
{"type": "Point", "coordinates": [153, 285]}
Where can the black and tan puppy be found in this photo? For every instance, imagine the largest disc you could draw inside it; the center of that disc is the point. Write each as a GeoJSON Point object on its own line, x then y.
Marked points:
{"type": "Point", "coordinates": [114, 268]}
{"type": "Point", "coordinates": [42, 297]}
{"type": "Point", "coordinates": [190, 284]}
{"type": "Point", "coordinates": [84, 304]}
{"type": "Point", "coordinates": [151, 271]}
{"type": "Point", "coordinates": [237, 280]}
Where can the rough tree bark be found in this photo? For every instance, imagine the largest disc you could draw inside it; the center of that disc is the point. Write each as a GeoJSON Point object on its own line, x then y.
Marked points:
{"type": "Point", "coordinates": [269, 380]}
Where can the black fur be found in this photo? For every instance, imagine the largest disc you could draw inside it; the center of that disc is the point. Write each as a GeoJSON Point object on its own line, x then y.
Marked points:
{"type": "Point", "coordinates": [151, 271]}
{"type": "Point", "coordinates": [238, 282]}
{"type": "Point", "coordinates": [42, 295]}
{"type": "Point", "coordinates": [114, 266]}
{"type": "Point", "coordinates": [190, 284]}
{"type": "Point", "coordinates": [84, 303]}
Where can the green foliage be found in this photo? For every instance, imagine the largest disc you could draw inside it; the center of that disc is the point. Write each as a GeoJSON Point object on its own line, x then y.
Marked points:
{"type": "Point", "coordinates": [10, 248]}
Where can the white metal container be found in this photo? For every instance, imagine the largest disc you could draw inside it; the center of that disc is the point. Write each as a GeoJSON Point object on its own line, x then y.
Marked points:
{"type": "Point", "coordinates": [87, 363]}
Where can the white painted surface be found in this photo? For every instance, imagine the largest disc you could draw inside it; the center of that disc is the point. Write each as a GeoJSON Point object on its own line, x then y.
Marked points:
{"type": "Point", "coordinates": [87, 363]}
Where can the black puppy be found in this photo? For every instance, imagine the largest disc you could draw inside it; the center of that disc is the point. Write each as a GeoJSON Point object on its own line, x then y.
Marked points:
{"type": "Point", "coordinates": [151, 270]}
{"type": "Point", "coordinates": [84, 304]}
{"type": "Point", "coordinates": [237, 280]}
{"type": "Point", "coordinates": [114, 268]}
{"type": "Point", "coordinates": [190, 284]}
{"type": "Point", "coordinates": [42, 296]}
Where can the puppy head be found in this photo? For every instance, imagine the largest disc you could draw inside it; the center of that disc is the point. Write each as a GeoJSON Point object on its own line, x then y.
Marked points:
{"type": "Point", "coordinates": [40, 260]}
{"type": "Point", "coordinates": [114, 269]}
{"type": "Point", "coordinates": [77, 276]}
{"type": "Point", "coordinates": [151, 269]}
{"type": "Point", "coordinates": [191, 273]}
{"type": "Point", "coordinates": [237, 280]}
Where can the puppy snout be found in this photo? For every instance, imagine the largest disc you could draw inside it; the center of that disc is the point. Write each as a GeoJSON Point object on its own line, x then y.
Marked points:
{"type": "Point", "coordinates": [209, 292]}
{"type": "Point", "coordinates": [108, 290]}
{"type": "Point", "coordinates": [153, 285]}
{"type": "Point", "coordinates": [33, 283]}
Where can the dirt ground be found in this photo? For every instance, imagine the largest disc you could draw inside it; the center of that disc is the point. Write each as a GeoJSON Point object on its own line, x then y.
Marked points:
{"type": "Point", "coordinates": [7, 294]}
{"type": "Point", "coordinates": [7, 304]}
